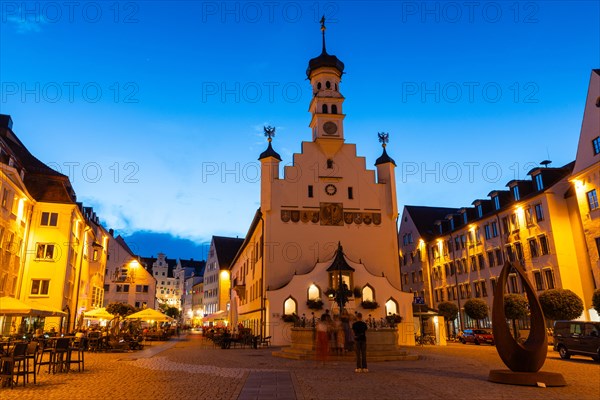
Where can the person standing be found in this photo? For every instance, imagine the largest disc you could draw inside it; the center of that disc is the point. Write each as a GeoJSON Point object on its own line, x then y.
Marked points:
{"type": "Point", "coordinates": [360, 342]}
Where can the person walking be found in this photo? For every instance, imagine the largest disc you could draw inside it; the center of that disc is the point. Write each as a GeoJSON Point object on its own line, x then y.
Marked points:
{"type": "Point", "coordinates": [360, 343]}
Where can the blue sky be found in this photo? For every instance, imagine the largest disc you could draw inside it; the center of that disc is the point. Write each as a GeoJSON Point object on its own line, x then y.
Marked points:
{"type": "Point", "coordinates": [155, 110]}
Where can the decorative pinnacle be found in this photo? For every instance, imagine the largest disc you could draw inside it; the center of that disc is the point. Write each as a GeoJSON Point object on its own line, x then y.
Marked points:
{"type": "Point", "coordinates": [323, 28]}
{"type": "Point", "coordinates": [269, 132]}
{"type": "Point", "coordinates": [384, 138]}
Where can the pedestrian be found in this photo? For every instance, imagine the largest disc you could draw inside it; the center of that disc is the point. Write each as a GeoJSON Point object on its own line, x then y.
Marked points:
{"type": "Point", "coordinates": [360, 343]}
{"type": "Point", "coordinates": [322, 339]}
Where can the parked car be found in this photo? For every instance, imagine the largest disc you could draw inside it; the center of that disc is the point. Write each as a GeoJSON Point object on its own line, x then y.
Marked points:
{"type": "Point", "coordinates": [580, 338]}
{"type": "Point", "coordinates": [476, 336]}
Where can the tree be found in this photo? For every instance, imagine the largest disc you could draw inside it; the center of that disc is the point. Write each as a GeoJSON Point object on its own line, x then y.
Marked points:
{"type": "Point", "coordinates": [560, 304]}
{"type": "Point", "coordinates": [448, 310]}
{"type": "Point", "coordinates": [172, 312]}
{"type": "Point", "coordinates": [120, 309]}
{"type": "Point", "coordinates": [516, 307]}
{"type": "Point", "coordinates": [596, 300]}
{"type": "Point", "coordinates": [476, 309]}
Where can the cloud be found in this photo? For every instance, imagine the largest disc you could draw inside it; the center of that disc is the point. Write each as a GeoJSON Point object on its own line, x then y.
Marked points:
{"type": "Point", "coordinates": [24, 25]}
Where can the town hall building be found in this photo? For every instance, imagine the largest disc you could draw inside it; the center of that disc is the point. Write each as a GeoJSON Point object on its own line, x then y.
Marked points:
{"type": "Point", "coordinates": [328, 215]}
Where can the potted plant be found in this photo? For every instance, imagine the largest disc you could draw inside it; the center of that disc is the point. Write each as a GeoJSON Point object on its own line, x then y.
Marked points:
{"type": "Point", "coordinates": [314, 304]}
{"type": "Point", "coordinates": [369, 304]}
{"type": "Point", "coordinates": [393, 319]}
{"type": "Point", "coordinates": [289, 317]}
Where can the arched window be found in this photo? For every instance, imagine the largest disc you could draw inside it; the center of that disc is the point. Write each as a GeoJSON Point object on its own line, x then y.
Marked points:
{"type": "Point", "coordinates": [318, 85]}
{"type": "Point", "coordinates": [328, 85]}
{"type": "Point", "coordinates": [289, 306]}
{"type": "Point", "coordinates": [391, 307]}
{"type": "Point", "coordinates": [334, 108]}
{"type": "Point", "coordinates": [313, 292]}
{"type": "Point", "coordinates": [368, 294]}
{"type": "Point", "coordinates": [324, 108]}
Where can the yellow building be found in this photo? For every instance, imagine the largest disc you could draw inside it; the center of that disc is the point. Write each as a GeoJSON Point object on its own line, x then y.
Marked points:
{"type": "Point", "coordinates": [457, 254]}
{"type": "Point", "coordinates": [63, 248]}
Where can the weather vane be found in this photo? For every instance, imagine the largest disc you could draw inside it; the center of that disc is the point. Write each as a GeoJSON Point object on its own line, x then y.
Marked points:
{"type": "Point", "coordinates": [384, 138]}
{"type": "Point", "coordinates": [269, 132]}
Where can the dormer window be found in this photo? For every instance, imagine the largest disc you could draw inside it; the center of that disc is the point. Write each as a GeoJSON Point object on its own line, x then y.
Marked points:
{"type": "Point", "coordinates": [465, 218]}
{"type": "Point", "coordinates": [539, 183]}
{"type": "Point", "coordinates": [516, 193]}
{"type": "Point", "coordinates": [452, 224]}
{"type": "Point", "coordinates": [479, 210]}
{"type": "Point", "coordinates": [496, 202]}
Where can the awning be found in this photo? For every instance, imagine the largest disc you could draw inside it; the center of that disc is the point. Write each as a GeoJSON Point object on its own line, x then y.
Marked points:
{"type": "Point", "coordinates": [98, 313]}
{"type": "Point", "coordinates": [150, 314]}
{"type": "Point", "coordinates": [12, 306]}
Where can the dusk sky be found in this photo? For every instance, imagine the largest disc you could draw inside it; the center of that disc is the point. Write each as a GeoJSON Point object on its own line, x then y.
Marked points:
{"type": "Point", "coordinates": [155, 110]}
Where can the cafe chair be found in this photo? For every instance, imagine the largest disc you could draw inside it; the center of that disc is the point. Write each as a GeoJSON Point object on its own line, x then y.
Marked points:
{"type": "Point", "coordinates": [76, 355]}
{"type": "Point", "coordinates": [60, 356]}
{"type": "Point", "coordinates": [14, 365]}
{"type": "Point", "coordinates": [31, 360]}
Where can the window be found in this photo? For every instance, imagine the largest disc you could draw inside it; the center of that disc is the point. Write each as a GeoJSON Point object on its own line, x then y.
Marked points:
{"type": "Point", "coordinates": [544, 246]}
{"type": "Point", "coordinates": [324, 108]}
{"type": "Point", "coordinates": [481, 261]}
{"type": "Point", "coordinates": [516, 193]}
{"type": "Point", "coordinates": [539, 282]}
{"type": "Point", "coordinates": [592, 199]}
{"type": "Point", "coordinates": [329, 163]}
{"type": "Point", "coordinates": [477, 235]}
{"type": "Point", "coordinates": [328, 85]}
{"type": "Point", "coordinates": [539, 182]}
{"type": "Point", "coordinates": [509, 253]}
{"type": "Point", "coordinates": [513, 286]}
{"type": "Point", "coordinates": [5, 195]}
{"type": "Point", "coordinates": [40, 287]}
{"type": "Point", "coordinates": [549, 278]}
{"type": "Point", "coordinates": [350, 193]}
{"type": "Point", "coordinates": [487, 231]}
{"type": "Point", "coordinates": [477, 289]}
{"type": "Point", "coordinates": [45, 251]}
{"type": "Point", "coordinates": [463, 241]}
{"type": "Point", "coordinates": [596, 145]}
{"type": "Point", "coordinates": [519, 251]}
{"type": "Point", "coordinates": [49, 219]}
{"type": "Point", "coordinates": [479, 210]}
{"type": "Point", "coordinates": [533, 248]}
{"type": "Point", "coordinates": [514, 220]}
{"type": "Point", "coordinates": [539, 212]}
{"type": "Point", "coordinates": [491, 259]}
{"type": "Point", "coordinates": [483, 289]}
{"type": "Point", "coordinates": [528, 217]}
{"type": "Point", "coordinates": [473, 264]}
{"type": "Point", "coordinates": [496, 202]}
{"type": "Point", "coordinates": [465, 218]}
{"type": "Point", "coordinates": [505, 225]}
{"type": "Point", "coordinates": [334, 109]}
{"type": "Point", "coordinates": [141, 288]}
{"type": "Point", "coordinates": [598, 245]}
{"type": "Point", "coordinates": [95, 255]}
{"type": "Point", "coordinates": [107, 288]}
{"type": "Point", "coordinates": [310, 191]}
{"type": "Point", "coordinates": [494, 229]}
{"type": "Point", "coordinates": [493, 283]}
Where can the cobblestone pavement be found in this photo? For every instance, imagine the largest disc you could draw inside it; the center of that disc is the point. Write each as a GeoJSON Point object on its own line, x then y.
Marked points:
{"type": "Point", "coordinates": [191, 368]}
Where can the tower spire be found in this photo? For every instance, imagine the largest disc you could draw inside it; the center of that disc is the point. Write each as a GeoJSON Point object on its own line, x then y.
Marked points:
{"type": "Point", "coordinates": [323, 28]}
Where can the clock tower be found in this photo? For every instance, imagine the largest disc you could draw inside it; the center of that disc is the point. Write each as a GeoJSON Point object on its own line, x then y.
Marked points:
{"type": "Point", "coordinates": [325, 74]}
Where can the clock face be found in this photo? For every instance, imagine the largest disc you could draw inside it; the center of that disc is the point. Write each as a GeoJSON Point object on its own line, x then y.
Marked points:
{"type": "Point", "coordinates": [330, 128]}
{"type": "Point", "coordinates": [330, 189]}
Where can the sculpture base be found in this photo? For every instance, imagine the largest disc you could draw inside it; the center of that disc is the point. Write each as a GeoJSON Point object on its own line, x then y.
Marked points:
{"type": "Point", "coordinates": [539, 378]}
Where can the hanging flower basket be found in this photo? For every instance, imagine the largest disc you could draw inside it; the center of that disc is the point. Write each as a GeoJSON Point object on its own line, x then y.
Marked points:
{"type": "Point", "coordinates": [393, 319]}
{"type": "Point", "coordinates": [369, 305]}
{"type": "Point", "coordinates": [289, 317]}
{"type": "Point", "coordinates": [314, 304]}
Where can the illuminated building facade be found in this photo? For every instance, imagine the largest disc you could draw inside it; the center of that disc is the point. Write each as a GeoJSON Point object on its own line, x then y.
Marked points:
{"type": "Point", "coordinates": [126, 280]}
{"type": "Point", "coordinates": [546, 223]}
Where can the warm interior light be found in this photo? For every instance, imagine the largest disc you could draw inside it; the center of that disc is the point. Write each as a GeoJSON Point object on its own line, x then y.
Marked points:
{"type": "Point", "coordinates": [224, 275]}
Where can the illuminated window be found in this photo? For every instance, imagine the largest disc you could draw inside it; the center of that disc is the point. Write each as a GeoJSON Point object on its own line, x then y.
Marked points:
{"type": "Point", "coordinates": [45, 251]}
{"type": "Point", "coordinates": [367, 292]}
{"type": "Point", "coordinates": [539, 282]}
{"type": "Point", "coordinates": [533, 248]}
{"type": "Point", "coordinates": [49, 219]}
{"type": "Point", "coordinates": [528, 216]}
{"type": "Point", "coordinates": [313, 292]}
{"type": "Point", "coordinates": [539, 182]}
{"type": "Point", "coordinates": [596, 145]}
{"type": "Point", "coordinates": [391, 307]}
{"type": "Point", "coordinates": [40, 287]}
{"type": "Point", "coordinates": [592, 198]}
{"type": "Point", "coordinates": [289, 306]}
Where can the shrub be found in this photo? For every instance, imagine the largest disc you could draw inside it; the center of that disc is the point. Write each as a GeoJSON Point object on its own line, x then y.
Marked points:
{"type": "Point", "coordinates": [561, 304]}
{"type": "Point", "coordinates": [476, 309]}
{"type": "Point", "coordinates": [314, 304]}
{"type": "Point", "coordinates": [596, 301]}
{"type": "Point", "coordinates": [393, 319]}
{"type": "Point", "coordinates": [120, 309]}
{"type": "Point", "coordinates": [369, 305]}
{"type": "Point", "coordinates": [516, 307]}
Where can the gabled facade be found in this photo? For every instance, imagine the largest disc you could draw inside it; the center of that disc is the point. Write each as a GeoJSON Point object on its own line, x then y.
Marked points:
{"type": "Point", "coordinates": [126, 280]}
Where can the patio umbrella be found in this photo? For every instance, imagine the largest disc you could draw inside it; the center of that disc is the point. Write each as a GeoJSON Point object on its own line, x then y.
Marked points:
{"type": "Point", "coordinates": [12, 306]}
{"type": "Point", "coordinates": [150, 314]}
{"type": "Point", "coordinates": [98, 313]}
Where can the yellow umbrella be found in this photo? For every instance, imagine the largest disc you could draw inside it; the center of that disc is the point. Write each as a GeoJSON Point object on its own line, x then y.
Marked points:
{"type": "Point", "coordinates": [98, 313]}
{"type": "Point", "coordinates": [150, 314]}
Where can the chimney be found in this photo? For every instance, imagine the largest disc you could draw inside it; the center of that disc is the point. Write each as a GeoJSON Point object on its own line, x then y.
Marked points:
{"type": "Point", "coordinates": [6, 121]}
